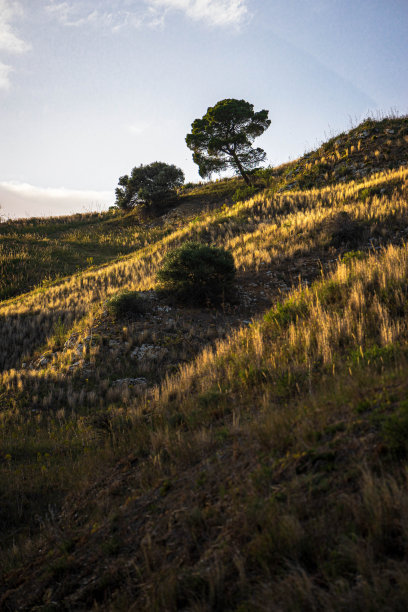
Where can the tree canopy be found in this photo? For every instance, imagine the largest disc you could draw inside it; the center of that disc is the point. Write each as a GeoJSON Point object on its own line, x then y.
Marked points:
{"type": "Point", "coordinates": [151, 184]}
{"type": "Point", "coordinates": [223, 138]}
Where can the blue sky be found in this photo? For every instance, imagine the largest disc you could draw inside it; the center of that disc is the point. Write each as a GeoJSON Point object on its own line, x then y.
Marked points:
{"type": "Point", "coordinates": [91, 88]}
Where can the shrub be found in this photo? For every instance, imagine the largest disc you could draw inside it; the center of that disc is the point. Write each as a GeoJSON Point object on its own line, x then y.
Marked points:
{"type": "Point", "coordinates": [352, 256]}
{"type": "Point", "coordinates": [342, 230]}
{"type": "Point", "coordinates": [198, 274]}
{"type": "Point", "coordinates": [244, 193]}
{"type": "Point", "coordinates": [125, 304]}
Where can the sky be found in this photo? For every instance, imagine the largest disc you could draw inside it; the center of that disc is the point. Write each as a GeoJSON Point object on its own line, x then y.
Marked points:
{"type": "Point", "coordinates": [91, 88]}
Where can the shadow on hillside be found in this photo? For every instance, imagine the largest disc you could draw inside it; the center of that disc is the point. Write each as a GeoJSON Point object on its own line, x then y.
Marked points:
{"type": "Point", "coordinates": [19, 333]}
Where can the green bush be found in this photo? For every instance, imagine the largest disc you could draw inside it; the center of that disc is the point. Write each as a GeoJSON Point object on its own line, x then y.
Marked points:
{"type": "Point", "coordinates": [352, 256]}
{"type": "Point", "coordinates": [244, 193]}
{"type": "Point", "coordinates": [125, 304]}
{"type": "Point", "coordinates": [198, 274]}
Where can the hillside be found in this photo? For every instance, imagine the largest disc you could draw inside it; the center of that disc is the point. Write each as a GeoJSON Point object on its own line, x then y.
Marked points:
{"type": "Point", "coordinates": [247, 458]}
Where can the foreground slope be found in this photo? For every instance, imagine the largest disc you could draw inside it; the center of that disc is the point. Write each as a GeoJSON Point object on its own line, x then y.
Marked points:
{"type": "Point", "coordinates": [268, 474]}
{"type": "Point", "coordinates": [263, 471]}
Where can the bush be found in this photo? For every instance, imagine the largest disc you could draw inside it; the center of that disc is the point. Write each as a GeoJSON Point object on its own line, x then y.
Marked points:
{"type": "Point", "coordinates": [244, 193]}
{"type": "Point", "coordinates": [342, 230]}
{"type": "Point", "coordinates": [125, 304]}
{"type": "Point", "coordinates": [198, 274]}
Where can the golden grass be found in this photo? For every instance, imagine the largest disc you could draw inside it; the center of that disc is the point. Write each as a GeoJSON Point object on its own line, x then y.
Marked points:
{"type": "Point", "coordinates": [259, 463]}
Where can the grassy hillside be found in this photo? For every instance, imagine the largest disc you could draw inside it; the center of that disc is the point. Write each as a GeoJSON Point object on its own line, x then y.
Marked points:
{"type": "Point", "coordinates": [237, 465]}
{"type": "Point", "coordinates": [37, 252]}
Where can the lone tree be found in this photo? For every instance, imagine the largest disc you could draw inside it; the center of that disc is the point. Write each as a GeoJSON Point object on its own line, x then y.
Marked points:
{"type": "Point", "coordinates": [152, 184]}
{"type": "Point", "coordinates": [222, 139]}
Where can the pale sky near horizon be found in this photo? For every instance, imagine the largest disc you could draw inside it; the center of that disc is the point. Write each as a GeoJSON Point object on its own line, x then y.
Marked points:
{"type": "Point", "coordinates": [91, 88]}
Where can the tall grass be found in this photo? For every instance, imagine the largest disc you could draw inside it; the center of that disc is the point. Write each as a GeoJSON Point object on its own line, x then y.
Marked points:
{"type": "Point", "coordinates": [268, 473]}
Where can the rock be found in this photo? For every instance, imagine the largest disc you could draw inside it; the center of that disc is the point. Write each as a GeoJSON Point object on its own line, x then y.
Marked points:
{"type": "Point", "coordinates": [148, 352]}
{"type": "Point", "coordinates": [170, 324]}
{"type": "Point", "coordinates": [70, 343]}
{"type": "Point", "coordinates": [130, 382]}
{"type": "Point", "coordinates": [163, 308]}
{"type": "Point", "coordinates": [43, 362]}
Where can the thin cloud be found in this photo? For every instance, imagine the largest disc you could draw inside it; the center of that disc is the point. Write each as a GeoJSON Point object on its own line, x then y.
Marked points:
{"type": "Point", "coordinates": [10, 42]}
{"type": "Point", "coordinates": [24, 200]}
{"type": "Point", "coordinates": [112, 15]}
{"type": "Point", "coordinates": [5, 71]}
{"type": "Point", "coordinates": [115, 15]}
{"type": "Point", "coordinates": [214, 12]}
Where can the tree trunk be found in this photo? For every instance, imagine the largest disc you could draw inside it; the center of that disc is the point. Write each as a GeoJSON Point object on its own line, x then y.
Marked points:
{"type": "Point", "coordinates": [240, 168]}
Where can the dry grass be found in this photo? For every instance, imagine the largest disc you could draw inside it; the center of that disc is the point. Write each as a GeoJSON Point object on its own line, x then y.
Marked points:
{"type": "Point", "coordinates": [266, 474]}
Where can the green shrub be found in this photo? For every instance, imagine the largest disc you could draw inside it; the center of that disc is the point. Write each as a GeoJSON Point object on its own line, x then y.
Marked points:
{"type": "Point", "coordinates": [244, 193]}
{"type": "Point", "coordinates": [352, 256]}
{"type": "Point", "coordinates": [198, 274]}
{"type": "Point", "coordinates": [287, 312]}
{"type": "Point", "coordinates": [125, 304]}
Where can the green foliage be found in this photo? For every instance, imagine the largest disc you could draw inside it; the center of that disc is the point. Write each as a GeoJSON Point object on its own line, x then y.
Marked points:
{"type": "Point", "coordinates": [285, 313]}
{"type": "Point", "coordinates": [244, 193]}
{"type": "Point", "coordinates": [374, 354]}
{"type": "Point", "coordinates": [198, 274]}
{"type": "Point", "coordinates": [222, 138]}
{"type": "Point", "coordinates": [125, 304]}
{"type": "Point", "coordinates": [152, 184]}
{"type": "Point", "coordinates": [331, 293]}
{"type": "Point", "coordinates": [351, 256]}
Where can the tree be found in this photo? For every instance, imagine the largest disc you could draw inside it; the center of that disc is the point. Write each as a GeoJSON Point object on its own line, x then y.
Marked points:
{"type": "Point", "coordinates": [152, 184]}
{"type": "Point", "coordinates": [222, 139]}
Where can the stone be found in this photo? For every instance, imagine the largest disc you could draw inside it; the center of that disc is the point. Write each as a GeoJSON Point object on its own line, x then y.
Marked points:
{"type": "Point", "coordinates": [70, 343]}
{"type": "Point", "coordinates": [148, 352]}
{"type": "Point", "coordinates": [130, 382]}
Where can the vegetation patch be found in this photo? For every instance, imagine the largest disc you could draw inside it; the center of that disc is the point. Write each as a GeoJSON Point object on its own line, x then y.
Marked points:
{"type": "Point", "coordinates": [198, 274]}
{"type": "Point", "coordinates": [126, 304]}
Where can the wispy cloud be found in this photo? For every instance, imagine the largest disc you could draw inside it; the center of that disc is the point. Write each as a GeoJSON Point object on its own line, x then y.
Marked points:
{"type": "Point", "coordinates": [116, 14]}
{"type": "Point", "coordinates": [112, 14]}
{"type": "Point", "coordinates": [10, 42]}
{"type": "Point", "coordinates": [25, 200]}
{"type": "Point", "coordinates": [214, 12]}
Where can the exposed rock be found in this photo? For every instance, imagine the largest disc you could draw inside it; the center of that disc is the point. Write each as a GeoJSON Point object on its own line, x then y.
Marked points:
{"type": "Point", "coordinates": [130, 382]}
{"type": "Point", "coordinates": [70, 343]}
{"type": "Point", "coordinates": [148, 352]}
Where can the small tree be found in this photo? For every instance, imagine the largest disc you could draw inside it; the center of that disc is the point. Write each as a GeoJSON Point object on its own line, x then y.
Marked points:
{"type": "Point", "coordinates": [198, 274]}
{"type": "Point", "coordinates": [222, 139]}
{"type": "Point", "coordinates": [152, 184]}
